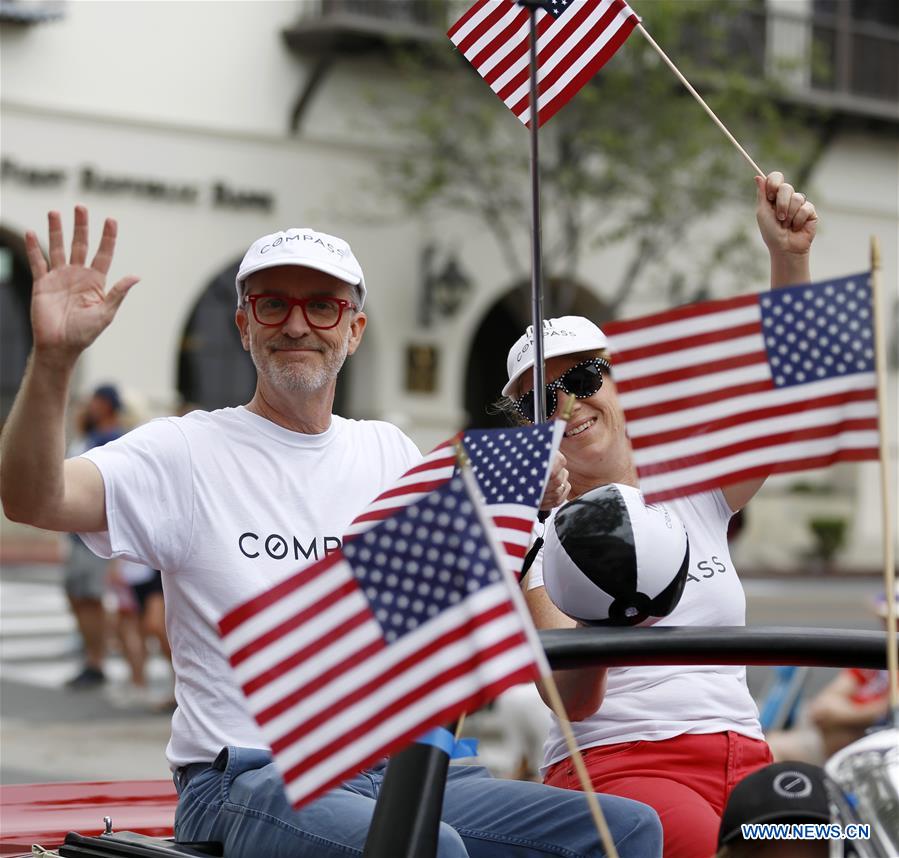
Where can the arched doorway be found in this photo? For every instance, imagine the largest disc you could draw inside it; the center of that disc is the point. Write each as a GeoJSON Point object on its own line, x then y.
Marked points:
{"type": "Point", "coordinates": [504, 323]}
{"type": "Point", "coordinates": [15, 321]}
{"type": "Point", "coordinates": [214, 371]}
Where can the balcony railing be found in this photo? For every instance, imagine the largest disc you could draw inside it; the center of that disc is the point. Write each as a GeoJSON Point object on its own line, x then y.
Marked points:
{"type": "Point", "coordinates": [829, 60]}
{"type": "Point", "coordinates": [414, 11]}
{"type": "Point", "coordinates": [837, 62]}
{"type": "Point", "coordinates": [421, 12]}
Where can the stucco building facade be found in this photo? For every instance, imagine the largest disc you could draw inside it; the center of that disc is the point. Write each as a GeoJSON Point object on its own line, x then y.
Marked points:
{"type": "Point", "coordinates": [182, 120]}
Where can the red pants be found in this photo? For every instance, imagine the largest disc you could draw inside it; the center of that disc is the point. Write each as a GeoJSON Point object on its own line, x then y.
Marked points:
{"type": "Point", "coordinates": [686, 779]}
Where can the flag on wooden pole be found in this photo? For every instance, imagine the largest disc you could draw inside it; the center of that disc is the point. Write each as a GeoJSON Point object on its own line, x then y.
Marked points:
{"type": "Point", "coordinates": [719, 392]}
{"type": "Point", "coordinates": [575, 39]}
{"type": "Point", "coordinates": [403, 629]}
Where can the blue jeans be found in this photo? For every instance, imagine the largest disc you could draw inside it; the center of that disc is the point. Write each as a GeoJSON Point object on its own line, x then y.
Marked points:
{"type": "Point", "coordinates": [240, 801]}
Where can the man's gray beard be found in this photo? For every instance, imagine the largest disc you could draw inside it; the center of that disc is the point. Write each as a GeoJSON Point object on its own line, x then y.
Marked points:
{"type": "Point", "coordinates": [295, 377]}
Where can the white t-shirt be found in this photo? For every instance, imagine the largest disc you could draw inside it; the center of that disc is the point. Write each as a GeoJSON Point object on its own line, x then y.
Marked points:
{"type": "Point", "coordinates": [659, 702]}
{"type": "Point", "coordinates": [226, 504]}
{"type": "Point", "coordinates": [134, 573]}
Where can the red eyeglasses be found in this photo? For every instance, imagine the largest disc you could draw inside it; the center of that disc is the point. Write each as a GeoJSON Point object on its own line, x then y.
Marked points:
{"type": "Point", "coordinates": [321, 313]}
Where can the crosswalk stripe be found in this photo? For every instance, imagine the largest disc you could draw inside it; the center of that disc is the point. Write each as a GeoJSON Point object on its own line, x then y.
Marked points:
{"type": "Point", "coordinates": [40, 645]}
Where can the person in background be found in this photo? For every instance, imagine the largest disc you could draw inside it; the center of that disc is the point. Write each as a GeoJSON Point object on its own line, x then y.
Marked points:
{"type": "Point", "coordinates": [126, 626]}
{"type": "Point", "coordinates": [140, 618]}
{"type": "Point", "coordinates": [85, 574]}
{"type": "Point", "coordinates": [786, 793]}
{"type": "Point", "coordinates": [841, 713]}
{"type": "Point", "coordinates": [147, 590]}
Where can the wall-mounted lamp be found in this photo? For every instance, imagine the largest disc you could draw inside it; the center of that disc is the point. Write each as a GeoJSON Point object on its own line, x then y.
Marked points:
{"type": "Point", "coordinates": [444, 285]}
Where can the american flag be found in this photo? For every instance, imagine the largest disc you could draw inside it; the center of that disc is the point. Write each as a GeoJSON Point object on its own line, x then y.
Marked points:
{"type": "Point", "coordinates": [402, 629]}
{"type": "Point", "coordinates": [511, 467]}
{"type": "Point", "coordinates": [575, 38]}
{"type": "Point", "coordinates": [719, 392]}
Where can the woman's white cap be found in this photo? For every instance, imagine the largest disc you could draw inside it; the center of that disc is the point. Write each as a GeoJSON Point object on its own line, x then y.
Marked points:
{"type": "Point", "coordinates": [307, 248]}
{"type": "Point", "coordinates": [563, 336]}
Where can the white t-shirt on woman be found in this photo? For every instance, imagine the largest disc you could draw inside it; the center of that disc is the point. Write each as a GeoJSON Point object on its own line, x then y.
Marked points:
{"type": "Point", "coordinates": [659, 702]}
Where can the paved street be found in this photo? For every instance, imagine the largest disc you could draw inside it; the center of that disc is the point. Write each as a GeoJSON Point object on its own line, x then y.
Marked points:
{"type": "Point", "coordinates": [47, 732]}
{"type": "Point", "coordinates": [50, 733]}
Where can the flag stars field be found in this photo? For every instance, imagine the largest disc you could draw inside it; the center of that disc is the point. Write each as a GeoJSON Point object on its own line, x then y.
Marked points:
{"type": "Point", "coordinates": [509, 496]}
{"type": "Point", "coordinates": [805, 321]}
{"type": "Point", "coordinates": [724, 391]}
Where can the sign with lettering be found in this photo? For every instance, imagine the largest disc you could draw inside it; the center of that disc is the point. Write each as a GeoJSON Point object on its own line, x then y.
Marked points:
{"type": "Point", "coordinates": [90, 179]}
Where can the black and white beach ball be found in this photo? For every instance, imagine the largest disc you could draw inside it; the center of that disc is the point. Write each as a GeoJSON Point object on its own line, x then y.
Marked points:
{"type": "Point", "coordinates": [611, 560]}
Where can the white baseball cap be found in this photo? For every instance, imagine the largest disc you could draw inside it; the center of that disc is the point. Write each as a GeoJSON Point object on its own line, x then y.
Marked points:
{"type": "Point", "coordinates": [563, 336]}
{"type": "Point", "coordinates": [305, 247]}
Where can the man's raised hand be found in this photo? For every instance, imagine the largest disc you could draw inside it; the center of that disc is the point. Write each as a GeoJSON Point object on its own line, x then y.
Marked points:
{"type": "Point", "coordinates": [70, 306]}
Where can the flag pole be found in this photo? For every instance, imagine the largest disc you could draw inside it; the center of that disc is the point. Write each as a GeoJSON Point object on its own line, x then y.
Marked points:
{"type": "Point", "coordinates": [408, 810]}
{"type": "Point", "coordinates": [699, 98]}
{"type": "Point", "coordinates": [463, 462]}
{"type": "Point", "coordinates": [536, 250]}
{"type": "Point", "coordinates": [558, 707]}
{"type": "Point", "coordinates": [546, 677]}
{"type": "Point", "coordinates": [889, 570]}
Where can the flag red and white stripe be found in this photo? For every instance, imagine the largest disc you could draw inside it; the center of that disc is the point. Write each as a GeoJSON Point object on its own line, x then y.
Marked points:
{"type": "Point", "coordinates": [719, 392]}
{"type": "Point", "coordinates": [401, 630]}
{"type": "Point", "coordinates": [574, 40]}
{"type": "Point", "coordinates": [512, 519]}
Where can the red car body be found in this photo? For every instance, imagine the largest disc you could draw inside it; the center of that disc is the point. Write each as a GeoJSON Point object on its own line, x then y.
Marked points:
{"type": "Point", "coordinates": [45, 813]}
